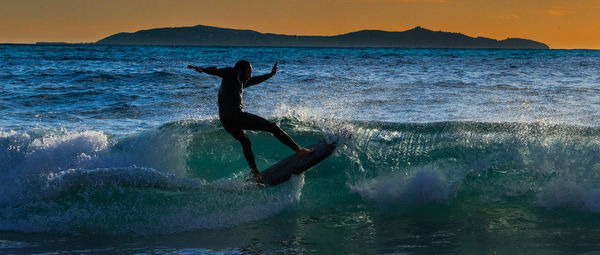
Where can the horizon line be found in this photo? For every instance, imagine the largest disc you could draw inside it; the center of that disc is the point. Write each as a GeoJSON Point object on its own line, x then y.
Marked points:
{"type": "Point", "coordinates": [57, 43]}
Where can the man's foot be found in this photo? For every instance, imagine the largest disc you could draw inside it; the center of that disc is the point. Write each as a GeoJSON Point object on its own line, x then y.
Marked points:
{"type": "Point", "coordinates": [304, 151]}
{"type": "Point", "coordinates": [257, 176]}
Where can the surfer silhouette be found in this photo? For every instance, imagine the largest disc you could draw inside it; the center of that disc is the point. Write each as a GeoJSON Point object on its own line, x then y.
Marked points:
{"type": "Point", "coordinates": [231, 109]}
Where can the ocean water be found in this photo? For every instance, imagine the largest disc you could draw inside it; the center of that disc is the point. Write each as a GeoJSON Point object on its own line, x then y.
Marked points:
{"type": "Point", "coordinates": [113, 149]}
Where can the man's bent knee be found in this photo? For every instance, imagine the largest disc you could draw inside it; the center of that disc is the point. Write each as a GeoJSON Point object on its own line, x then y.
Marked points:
{"type": "Point", "coordinates": [272, 127]}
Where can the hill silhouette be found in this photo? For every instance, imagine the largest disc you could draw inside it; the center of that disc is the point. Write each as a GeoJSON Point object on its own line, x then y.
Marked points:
{"type": "Point", "coordinates": [417, 37]}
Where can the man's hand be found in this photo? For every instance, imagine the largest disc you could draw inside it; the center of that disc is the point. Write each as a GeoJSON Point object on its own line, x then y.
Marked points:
{"type": "Point", "coordinates": [195, 68]}
{"type": "Point", "coordinates": [275, 68]}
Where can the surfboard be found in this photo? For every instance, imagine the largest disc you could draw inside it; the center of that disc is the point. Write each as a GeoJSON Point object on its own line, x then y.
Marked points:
{"type": "Point", "coordinates": [295, 165]}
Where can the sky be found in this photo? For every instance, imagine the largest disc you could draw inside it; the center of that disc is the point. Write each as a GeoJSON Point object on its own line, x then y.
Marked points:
{"type": "Point", "coordinates": [558, 23]}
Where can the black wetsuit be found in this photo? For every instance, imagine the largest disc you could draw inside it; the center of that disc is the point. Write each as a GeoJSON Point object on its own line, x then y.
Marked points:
{"type": "Point", "coordinates": [233, 117]}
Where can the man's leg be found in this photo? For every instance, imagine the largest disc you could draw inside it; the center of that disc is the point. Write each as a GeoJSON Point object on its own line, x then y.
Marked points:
{"type": "Point", "coordinates": [250, 121]}
{"type": "Point", "coordinates": [241, 136]}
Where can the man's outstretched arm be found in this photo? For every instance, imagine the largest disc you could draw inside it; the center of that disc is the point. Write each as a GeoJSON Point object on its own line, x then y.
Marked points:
{"type": "Point", "coordinates": [258, 79]}
{"type": "Point", "coordinates": [208, 70]}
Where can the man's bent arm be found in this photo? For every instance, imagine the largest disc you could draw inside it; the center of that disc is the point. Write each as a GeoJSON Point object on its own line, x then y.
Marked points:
{"type": "Point", "coordinates": [258, 79]}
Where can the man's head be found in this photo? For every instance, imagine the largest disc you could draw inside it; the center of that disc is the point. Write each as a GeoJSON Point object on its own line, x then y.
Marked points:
{"type": "Point", "coordinates": [244, 68]}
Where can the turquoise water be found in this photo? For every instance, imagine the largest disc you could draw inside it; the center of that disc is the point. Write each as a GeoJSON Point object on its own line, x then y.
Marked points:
{"type": "Point", "coordinates": [107, 149]}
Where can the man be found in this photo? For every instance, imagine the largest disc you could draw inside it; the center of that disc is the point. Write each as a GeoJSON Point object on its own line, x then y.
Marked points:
{"type": "Point", "coordinates": [231, 109]}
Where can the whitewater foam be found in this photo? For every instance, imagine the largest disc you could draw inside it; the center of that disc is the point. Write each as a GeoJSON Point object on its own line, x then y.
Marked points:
{"type": "Point", "coordinates": [424, 186]}
{"type": "Point", "coordinates": [565, 193]}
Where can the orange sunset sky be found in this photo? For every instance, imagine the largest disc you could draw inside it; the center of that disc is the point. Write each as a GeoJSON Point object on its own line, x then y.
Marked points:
{"type": "Point", "coordinates": [558, 23]}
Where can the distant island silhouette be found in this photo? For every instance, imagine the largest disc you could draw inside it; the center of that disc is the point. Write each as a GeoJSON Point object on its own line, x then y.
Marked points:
{"type": "Point", "coordinates": [417, 37]}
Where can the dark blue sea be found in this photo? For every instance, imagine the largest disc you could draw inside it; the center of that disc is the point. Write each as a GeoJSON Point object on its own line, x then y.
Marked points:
{"type": "Point", "coordinates": [119, 150]}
